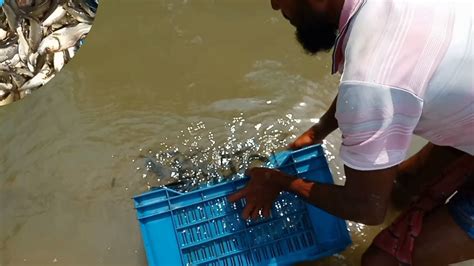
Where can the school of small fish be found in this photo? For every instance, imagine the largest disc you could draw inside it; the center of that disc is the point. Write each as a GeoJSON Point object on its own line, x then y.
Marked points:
{"type": "Point", "coordinates": [187, 171]}
{"type": "Point", "coordinates": [37, 38]}
{"type": "Point", "coordinates": [196, 159]}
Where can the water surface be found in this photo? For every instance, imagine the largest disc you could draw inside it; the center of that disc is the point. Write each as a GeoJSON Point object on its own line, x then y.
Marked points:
{"type": "Point", "coordinates": [149, 71]}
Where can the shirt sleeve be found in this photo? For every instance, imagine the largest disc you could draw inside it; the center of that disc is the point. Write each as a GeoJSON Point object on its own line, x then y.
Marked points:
{"type": "Point", "coordinates": [377, 124]}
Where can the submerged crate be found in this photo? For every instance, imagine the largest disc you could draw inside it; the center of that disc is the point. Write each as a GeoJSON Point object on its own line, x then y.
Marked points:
{"type": "Point", "coordinates": [203, 228]}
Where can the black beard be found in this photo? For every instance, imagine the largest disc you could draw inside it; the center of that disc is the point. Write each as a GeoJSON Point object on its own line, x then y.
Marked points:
{"type": "Point", "coordinates": [315, 34]}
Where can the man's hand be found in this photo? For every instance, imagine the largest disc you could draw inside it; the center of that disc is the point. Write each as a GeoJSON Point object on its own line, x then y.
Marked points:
{"type": "Point", "coordinates": [320, 130]}
{"type": "Point", "coordinates": [308, 138]}
{"type": "Point", "coordinates": [261, 191]}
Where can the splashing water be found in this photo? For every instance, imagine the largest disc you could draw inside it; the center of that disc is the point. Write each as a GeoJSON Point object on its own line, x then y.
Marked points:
{"type": "Point", "coordinates": [197, 158]}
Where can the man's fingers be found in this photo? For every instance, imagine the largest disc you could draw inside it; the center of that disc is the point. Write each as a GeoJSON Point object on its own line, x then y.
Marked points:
{"type": "Point", "coordinates": [250, 171]}
{"type": "Point", "coordinates": [256, 212]}
{"type": "Point", "coordinates": [300, 143]}
{"type": "Point", "coordinates": [236, 196]}
{"type": "Point", "coordinates": [248, 210]}
{"type": "Point", "coordinates": [292, 146]}
{"type": "Point", "coordinates": [304, 140]}
{"type": "Point", "coordinates": [266, 211]}
{"type": "Point", "coordinates": [255, 171]}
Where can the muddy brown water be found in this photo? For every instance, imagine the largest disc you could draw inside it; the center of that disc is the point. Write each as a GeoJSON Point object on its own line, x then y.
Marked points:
{"type": "Point", "coordinates": [148, 70]}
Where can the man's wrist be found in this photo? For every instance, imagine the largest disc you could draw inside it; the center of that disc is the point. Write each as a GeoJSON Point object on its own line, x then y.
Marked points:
{"type": "Point", "coordinates": [295, 185]}
{"type": "Point", "coordinates": [325, 126]}
{"type": "Point", "coordinates": [285, 181]}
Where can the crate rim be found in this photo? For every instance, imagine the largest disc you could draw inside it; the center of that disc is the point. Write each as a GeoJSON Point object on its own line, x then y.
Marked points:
{"type": "Point", "coordinates": [285, 154]}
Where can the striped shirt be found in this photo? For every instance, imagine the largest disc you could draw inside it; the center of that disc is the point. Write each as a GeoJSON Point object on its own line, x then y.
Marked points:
{"type": "Point", "coordinates": [407, 68]}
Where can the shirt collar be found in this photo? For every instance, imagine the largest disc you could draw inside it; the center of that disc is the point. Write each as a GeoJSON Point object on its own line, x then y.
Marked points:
{"type": "Point", "coordinates": [349, 9]}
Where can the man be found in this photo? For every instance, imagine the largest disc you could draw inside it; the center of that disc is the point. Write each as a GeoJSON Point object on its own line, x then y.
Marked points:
{"type": "Point", "coordinates": [406, 69]}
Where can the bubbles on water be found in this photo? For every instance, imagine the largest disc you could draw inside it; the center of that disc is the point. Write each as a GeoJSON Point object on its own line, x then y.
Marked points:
{"type": "Point", "coordinates": [199, 157]}
{"type": "Point", "coordinates": [357, 228]}
{"type": "Point", "coordinates": [196, 40]}
{"type": "Point", "coordinates": [341, 259]}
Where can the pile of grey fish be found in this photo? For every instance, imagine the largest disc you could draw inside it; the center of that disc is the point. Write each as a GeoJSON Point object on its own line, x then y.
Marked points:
{"type": "Point", "coordinates": [37, 38]}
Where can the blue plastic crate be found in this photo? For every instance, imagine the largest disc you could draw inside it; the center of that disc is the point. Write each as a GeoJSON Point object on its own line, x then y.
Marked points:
{"type": "Point", "coordinates": [203, 228]}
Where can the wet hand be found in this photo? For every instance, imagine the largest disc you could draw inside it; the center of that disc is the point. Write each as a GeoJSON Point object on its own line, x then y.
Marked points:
{"type": "Point", "coordinates": [308, 138]}
{"type": "Point", "coordinates": [260, 193]}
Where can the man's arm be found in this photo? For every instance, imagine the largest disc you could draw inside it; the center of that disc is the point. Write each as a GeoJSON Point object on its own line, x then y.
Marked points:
{"type": "Point", "coordinates": [364, 197]}
{"type": "Point", "coordinates": [315, 134]}
{"type": "Point", "coordinates": [328, 122]}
